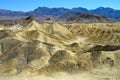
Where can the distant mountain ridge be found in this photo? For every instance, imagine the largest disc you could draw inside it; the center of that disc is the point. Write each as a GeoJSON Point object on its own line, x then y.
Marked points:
{"type": "Point", "coordinates": [58, 12]}
{"type": "Point", "coordinates": [88, 18]}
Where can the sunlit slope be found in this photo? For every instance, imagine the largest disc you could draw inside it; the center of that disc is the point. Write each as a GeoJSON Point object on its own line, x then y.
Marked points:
{"type": "Point", "coordinates": [40, 49]}
{"type": "Point", "coordinates": [107, 34]}
{"type": "Point", "coordinates": [52, 33]}
{"type": "Point", "coordinates": [29, 45]}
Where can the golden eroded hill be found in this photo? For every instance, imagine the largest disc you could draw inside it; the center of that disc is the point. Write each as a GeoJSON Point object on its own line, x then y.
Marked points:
{"type": "Point", "coordinates": [40, 49]}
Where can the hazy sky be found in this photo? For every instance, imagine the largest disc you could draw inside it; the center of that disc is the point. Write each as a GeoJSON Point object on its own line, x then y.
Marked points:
{"type": "Point", "coordinates": [27, 5]}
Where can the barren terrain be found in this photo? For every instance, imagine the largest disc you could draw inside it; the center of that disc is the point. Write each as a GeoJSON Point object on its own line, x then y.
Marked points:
{"type": "Point", "coordinates": [55, 51]}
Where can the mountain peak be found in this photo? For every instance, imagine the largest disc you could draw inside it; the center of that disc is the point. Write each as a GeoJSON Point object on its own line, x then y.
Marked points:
{"type": "Point", "coordinates": [79, 9]}
{"type": "Point", "coordinates": [105, 8]}
{"type": "Point", "coordinates": [100, 8]}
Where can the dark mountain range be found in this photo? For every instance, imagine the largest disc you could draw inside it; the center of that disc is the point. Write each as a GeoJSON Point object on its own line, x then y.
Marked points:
{"type": "Point", "coordinates": [108, 12]}
{"type": "Point", "coordinates": [11, 13]}
{"type": "Point", "coordinates": [8, 14]}
{"type": "Point", "coordinates": [68, 15]}
{"type": "Point", "coordinates": [44, 11]}
{"type": "Point", "coordinates": [60, 12]}
{"type": "Point", "coordinates": [87, 18]}
{"type": "Point", "coordinates": [79, 9]}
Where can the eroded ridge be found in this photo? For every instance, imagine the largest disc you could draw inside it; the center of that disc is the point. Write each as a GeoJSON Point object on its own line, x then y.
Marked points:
{"type": "Point", "coordinates": [99, 34]}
